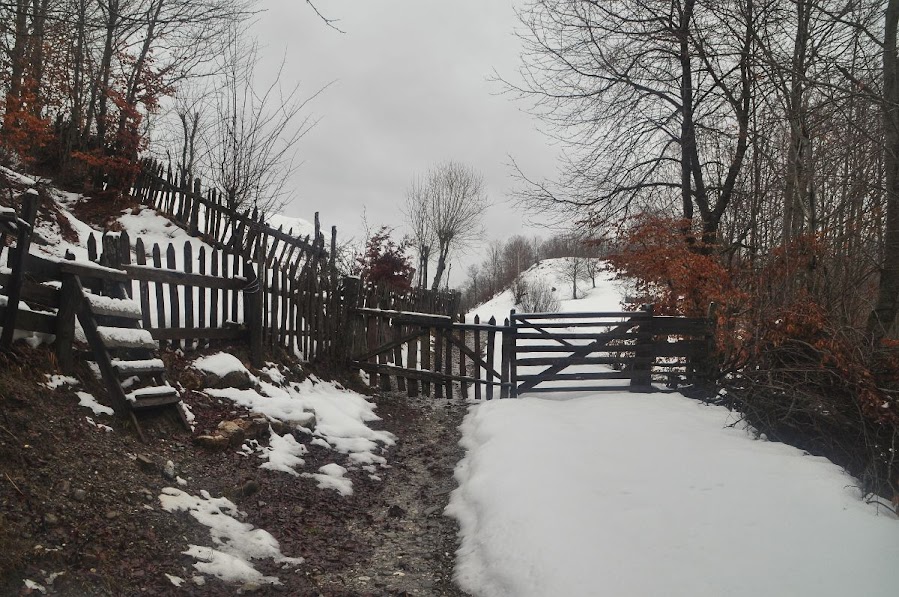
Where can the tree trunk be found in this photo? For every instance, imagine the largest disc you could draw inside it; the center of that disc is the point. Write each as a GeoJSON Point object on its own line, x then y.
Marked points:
{"type": "Point", "coordinates": [883, 317]}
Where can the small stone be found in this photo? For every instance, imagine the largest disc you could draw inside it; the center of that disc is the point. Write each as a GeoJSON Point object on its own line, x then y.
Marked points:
{"type": "Point", "coordinates": [145, 463]}
{"type": "Point", "coordinates": [250, 587]}
{"type": "Point", "coordinates": [249, 488]}
{"type": "Point", "coordinates": [65, 486]}
{"type": "Point", "coordinates": [51, 519]}
{"type": "Point", "coordinates": [395, 512]}
{"type": "Point", "coordinates": [112, 515]}
{"type": "Point", "coordinates": [168, 471]}
{"type": "Point", "coordinates": [79, 495]}
{"type": "Point", "coordinates": [212, 442]}
{"type": "Point", "coordinates": [432, 511]}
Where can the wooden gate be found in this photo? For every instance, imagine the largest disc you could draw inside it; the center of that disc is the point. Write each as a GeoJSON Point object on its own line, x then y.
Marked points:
{"type": "Point", "coordinates": [559, 352]}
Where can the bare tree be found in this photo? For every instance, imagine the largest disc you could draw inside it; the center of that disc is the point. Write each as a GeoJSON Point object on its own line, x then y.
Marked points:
{"type": "Point", "coordinates": [251, 144]}
{"type": "Point", "coordinates": [883, 316]}
{"type": "Point", "coordinates": [443, 212]}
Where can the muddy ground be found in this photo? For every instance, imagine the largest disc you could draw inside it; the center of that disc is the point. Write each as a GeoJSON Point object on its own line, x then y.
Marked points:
{"type": "Point", "coordinates": [80, 515]}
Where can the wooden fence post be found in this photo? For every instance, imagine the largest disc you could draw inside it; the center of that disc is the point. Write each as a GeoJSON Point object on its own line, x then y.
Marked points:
{"type": "Point", "coordinates": [69, 302]}
{"type": "Point", "coordinates": [17, 277]}
{"type": "Point", "coordinates": [252, 303]}
{"type": "Point", "coordinates": [513, 356]}
{"type": "Point", "coordinates": [641, 373]}
{"type": "Point", "coordinates": [505, 355]}
{"type": "Point", "coordinates": [349, 320]}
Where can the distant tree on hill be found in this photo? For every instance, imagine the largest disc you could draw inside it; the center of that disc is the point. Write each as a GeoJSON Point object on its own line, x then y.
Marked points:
{"type": "Point", "coordinates": [443, 212]}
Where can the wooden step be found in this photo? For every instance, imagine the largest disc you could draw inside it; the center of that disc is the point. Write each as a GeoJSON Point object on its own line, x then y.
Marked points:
{"type": "Point", "coordinates": [152, 397]}
{"type": "Point", "coordinates": [138, 367]}
{"type": "Point", "coordinates": [114, 307]}
{"type": "Point", "coordinates": [114, 338]}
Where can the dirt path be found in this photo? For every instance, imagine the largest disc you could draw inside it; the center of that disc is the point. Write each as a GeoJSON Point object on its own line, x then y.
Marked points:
{"type": "Point", "coordinates": [413, 543]}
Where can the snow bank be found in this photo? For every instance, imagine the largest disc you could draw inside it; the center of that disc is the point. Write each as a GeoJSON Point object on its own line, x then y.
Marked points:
{"type": "Point", "coordinates": [220, 364]}
{"type": "Point", "coordinates": [236, 543]}
{"type": "Point", "coordinates": [341, 418]}
{"type": "Point", "coordinates": [624, 494]}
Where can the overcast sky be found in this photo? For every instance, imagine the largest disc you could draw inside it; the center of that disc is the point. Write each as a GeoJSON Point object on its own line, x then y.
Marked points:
{"type": "Point", "coordinates": [410, 89]}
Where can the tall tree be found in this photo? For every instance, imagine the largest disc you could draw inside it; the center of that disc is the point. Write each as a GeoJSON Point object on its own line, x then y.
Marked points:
{"type": "Point", "coordinates": [447, 206]}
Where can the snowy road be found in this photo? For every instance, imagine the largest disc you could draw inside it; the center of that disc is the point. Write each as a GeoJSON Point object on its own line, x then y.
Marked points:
{"type": "Point", "coordinates": [633, 494]}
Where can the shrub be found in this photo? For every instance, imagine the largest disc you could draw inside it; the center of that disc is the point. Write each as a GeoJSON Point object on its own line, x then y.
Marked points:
{"type": "Point", "coordinates": [538, 297]}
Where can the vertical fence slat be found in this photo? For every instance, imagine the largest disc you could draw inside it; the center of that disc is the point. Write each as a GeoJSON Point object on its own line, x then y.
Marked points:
{"type": "Point", "coordinates": [160, 302]}
{"type": "Point", "coordinates": [140, 256]}
{"type": "Point", "coordinates": [214, 292]}
{"type": "Point", "coordinates": [201, 294]}
{"type": "Point", "coordinates": [491, 357]}
{"type": "Point", "coordinates": [188, 294]}
{"type": "Point", "coordinates": [476, 365]}
{"type": "Point", "coordinates": [438, 363]}
{"type": "Point", "coordinates": [463, 386]}
{"type": "Point", "coordinates": [174, 300]}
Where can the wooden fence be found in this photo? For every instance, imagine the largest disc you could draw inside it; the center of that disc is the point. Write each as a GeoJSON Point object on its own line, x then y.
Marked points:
{"type": "Point", "coordinates": [191, 293]}
{"type": "Point", "coordinates": [209, 216]}
{"type": "Point", "coordinates": [549, 352]}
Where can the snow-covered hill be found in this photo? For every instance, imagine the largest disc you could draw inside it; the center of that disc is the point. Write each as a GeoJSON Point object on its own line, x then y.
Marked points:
{"type": "Point", "coordinates": [607, 296]}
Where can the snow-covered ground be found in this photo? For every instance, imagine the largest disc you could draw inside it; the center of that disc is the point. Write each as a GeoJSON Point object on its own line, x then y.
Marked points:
{"type": "Point", "coordinates": [653, 494]}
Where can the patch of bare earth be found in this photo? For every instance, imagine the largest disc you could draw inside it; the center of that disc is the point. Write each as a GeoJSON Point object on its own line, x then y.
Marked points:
{"type": "Point", "coordinates": [80, 514]}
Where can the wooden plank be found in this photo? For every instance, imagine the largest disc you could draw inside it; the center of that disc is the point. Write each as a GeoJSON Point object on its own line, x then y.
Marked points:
{"type": "Point", "coordinates": [538, 361]}
{"type": "Point", "coordinates": [174, 298]}
{"type": "Point", "coordinates": [557, 389]}
{"type": "Point", "coordinates": [579, 315]}
{"type": "Point", "coordinates": [175, 277]}
{"type": "Point", "coordinates": [438, 363]}
{"type": "Point", "coordinates": [437, 378]}
{"type": "Point", "coordinates": [214, 292]}
{"type": "Point", "coordinates": [188, 294]}
{"type": "Point", "coordinates": [491, 342]}
{"type": "Point", "coordinates": [101, 355]}
{"type": "Point", "coordinates": [238, 294]}
{"type": "Point", "coordinates": [542, 348]}
{"type": "Point", "coordinates": [160, 304]}
{"type": "Point", "coordinates": [506, 345]}
{"type": "Point", "coordinates": [413, 389]}
{"type": "Point", "coordinates": [460, 342]}
{"type": "Point", "coordinates": [476, 361]}
{"type": "Point", "coordinates": [559, 336]}
{"type": "Point", "coordinates": [32, 321]}
{"type": "Point", "coordinates": [65, 323]}
{"type": "Point", "coordinates": [408, 317]}
{"type": "Point", "coordinates": [426, 359]}
{"type": "Point", "coordinates": [580, 323]}
{"type": "Point", "coordinates": [227, 333]}
{"type": "Point", "coordinates": [591, 375]}
{"type": "Point", "coordinates": [201, 291]}
{"type": "Point", "coordinates": [140, 256]}
{"type": "Point", "coordinates": [226, 293]}
{"type": "Point", "coordinates": [32, 292]}
{"type": "Point", "coordinates": [448, 364]}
